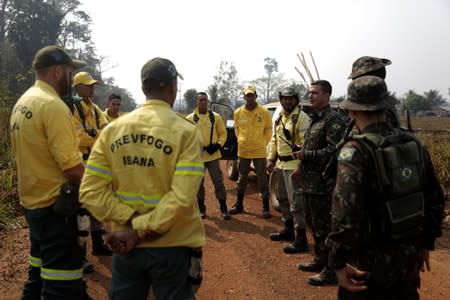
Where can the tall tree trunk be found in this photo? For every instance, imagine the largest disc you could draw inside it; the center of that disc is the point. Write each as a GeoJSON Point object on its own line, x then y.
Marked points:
{"type": "Point", "coordinates": [4, 3]}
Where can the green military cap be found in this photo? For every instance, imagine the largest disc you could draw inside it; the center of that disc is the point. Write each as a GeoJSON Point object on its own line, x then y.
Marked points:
{"type": "Point", "coordinates": [53, 56]}
{"type": "Point", "coordinates": [366, 93]}
{"type": "Point", "coordinates": [159, 69]}
{"type": "Point", "coordinates": [288, 92]}
{"type": "Point", "coordinates": [366, 64]}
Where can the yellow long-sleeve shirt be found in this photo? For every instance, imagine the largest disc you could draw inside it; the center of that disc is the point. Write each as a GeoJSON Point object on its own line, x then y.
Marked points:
{"type": "Point", "coordinates": [110, 118]}
{"type": "Point", "coordinates": [93, 115]}
{"type": "Point", "coordinates": [44, 144]}
{"type": "Point", "coordinates": [253, 130]}
{"type": "Point", "coordinates": [219, 132]}
{"type": "Point", "coordinates": [148, 161]}
{"type": "Point", "coordinates": [297, 120]}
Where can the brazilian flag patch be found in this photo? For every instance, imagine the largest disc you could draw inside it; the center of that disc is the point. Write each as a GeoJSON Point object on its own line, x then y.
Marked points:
{"type": "Point", "coordinates": [346, 154]}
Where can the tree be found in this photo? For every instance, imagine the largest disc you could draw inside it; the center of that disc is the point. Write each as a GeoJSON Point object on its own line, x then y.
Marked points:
{"type": "Point", "coordinates": [337, 99]}
{"type": "Point", "coordinates": [190, 97]}
{"type": "Point", "coordinates": [414, 102]}
{"type": "Point", "coordinates": [227, 83]}
{"type": "Point", "coordinates": [106, 88]}
{"type": "Point", "coordinates": [213, 93]}
{"type": "Point", "coordinates": [26, 26]}
{"type": "Point", "coordinates": [434, 98]}
{"type": "Point", "coordinates": [277, 82]}
{"type": "Point", "coordinates": [271, 65]}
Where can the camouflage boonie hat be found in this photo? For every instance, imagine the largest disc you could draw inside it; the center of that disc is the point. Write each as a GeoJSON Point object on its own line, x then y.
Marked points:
{"type": "Point", "coordinates": [288, 92]}
{"type": "Point", "coordinates": [366, 93]}
{"type": "Point", "coordinates": [367, 64]}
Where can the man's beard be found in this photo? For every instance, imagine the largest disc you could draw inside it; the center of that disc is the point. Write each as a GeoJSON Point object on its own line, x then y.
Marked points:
{"type": "Point", "coordinates": [64, 86]}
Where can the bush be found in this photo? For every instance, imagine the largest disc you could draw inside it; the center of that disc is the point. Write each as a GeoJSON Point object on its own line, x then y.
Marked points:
{"type": "Point", "coordinates": [9, 204]}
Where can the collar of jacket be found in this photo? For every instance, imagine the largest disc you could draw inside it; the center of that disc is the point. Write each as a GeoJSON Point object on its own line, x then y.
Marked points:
{"type": "Point", "coordinates": [317, 115]}
{"type": "Point", "coordinates": [295, 111]}
{"type": "Point", "coordinates": [156, 102]}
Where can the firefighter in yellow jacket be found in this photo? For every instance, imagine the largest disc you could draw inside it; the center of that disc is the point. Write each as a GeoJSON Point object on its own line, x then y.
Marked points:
{"type": "Point", "coordinates": [46, 152]}
{"type": "Point", "coordinates": [143, 175]}
{"type": "Point", "coordinates": [214, 135]}
{"type": "Point", "coordinates": [112, 111]}
{"type": "Point", "coordinates": [253, 128]}
{"type": "Point", "coordinates": [290, 127]}
{"type": "Point", "coordinates": [89, 122]}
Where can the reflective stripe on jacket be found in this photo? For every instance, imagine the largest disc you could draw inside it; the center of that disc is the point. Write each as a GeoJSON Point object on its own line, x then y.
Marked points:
{"type": "Point", "coordinates": [148, 161]}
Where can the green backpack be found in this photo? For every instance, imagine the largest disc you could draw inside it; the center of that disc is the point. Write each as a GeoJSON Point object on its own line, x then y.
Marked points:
{"type": "Point", "coordinates": [399, 165]}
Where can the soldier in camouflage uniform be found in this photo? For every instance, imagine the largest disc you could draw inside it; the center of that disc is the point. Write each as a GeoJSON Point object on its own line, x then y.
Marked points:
{"type": "Point", "coordinates": [369, 263]}
{"type": "Point", "coordinates": [324, 132]}
{"type": "Point", "coordinates": [368, 65]}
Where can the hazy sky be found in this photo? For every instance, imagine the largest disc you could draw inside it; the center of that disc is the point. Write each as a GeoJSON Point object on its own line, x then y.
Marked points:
{"type": "Point", "coordinates": [197, 34]}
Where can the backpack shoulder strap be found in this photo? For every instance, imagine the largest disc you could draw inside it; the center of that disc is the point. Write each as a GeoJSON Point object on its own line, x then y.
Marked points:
{"type": "Point", "coordinates": [373, 143]}
{"type": "Point", "coordinates": [97, 117]}
{"type": "Point", "coordinates": [213, 120]}
{"type": "Point", "coordinates": [196, 118]}
{"type": "Point", "coordinates": [80, 111]}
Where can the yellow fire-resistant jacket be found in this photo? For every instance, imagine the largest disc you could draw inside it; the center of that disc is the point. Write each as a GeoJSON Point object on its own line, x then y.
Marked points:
{"type": "Point", "coordinates": [93, 115]}
{"type": "Point", "coordinates": [109, 118]}
{"type": "Point", "coordinates": [148, 161]}
{"type": "Point", "coordinates": [44, 144]}
{"type": "Point", "coordinates": [278, 147]}
{"type": "Point", "coordinates": [219, 132]}
{"type": "Point", "coordinates": [253, 130]}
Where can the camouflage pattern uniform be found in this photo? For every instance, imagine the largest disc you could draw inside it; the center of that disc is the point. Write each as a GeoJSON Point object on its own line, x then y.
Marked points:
{"type": "Point", "coordinates": [324, 132]}
{"type": "Point", "coordinates": [394, 266]}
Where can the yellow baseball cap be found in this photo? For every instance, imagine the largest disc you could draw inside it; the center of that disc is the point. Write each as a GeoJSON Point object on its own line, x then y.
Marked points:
{"type": "Point", "coordinates": [249, 90]}
{"type": "Point", "coordinates": [83, 78]}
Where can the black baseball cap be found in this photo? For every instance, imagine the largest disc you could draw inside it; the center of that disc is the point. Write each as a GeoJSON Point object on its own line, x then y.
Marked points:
{"type": "Point", "coordinates": [54, 55]}
{"type": "Point", "coordinates": [159, 69]}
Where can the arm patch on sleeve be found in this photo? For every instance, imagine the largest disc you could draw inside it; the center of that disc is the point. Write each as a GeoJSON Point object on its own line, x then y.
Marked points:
{"type": "Point", "coordinates": [346, 154]}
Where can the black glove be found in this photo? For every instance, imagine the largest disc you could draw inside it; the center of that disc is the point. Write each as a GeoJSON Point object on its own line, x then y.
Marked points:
{"type": "Point", "coordinates": [211, 148]}
{"type": "Point", "coordinates": [92, 132]}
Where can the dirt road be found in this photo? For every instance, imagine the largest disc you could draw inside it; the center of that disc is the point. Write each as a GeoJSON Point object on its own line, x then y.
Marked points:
{"type": "Point", "coordinates": [240, 262]}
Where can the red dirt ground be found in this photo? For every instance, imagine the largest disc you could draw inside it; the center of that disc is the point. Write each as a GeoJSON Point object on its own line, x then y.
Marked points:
{"type": "Point", "coordinates": [240, 262]}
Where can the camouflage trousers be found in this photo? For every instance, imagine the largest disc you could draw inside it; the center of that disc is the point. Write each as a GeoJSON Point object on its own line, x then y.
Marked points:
{"type": "Point", "coordinates": [318, 218]}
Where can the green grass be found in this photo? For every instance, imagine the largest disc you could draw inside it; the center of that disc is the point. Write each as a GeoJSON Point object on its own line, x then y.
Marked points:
{"type": "Point", "coordinates": [9, 204]}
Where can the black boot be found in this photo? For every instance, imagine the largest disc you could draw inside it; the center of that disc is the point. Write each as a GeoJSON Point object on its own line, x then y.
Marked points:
{"type": "Point", "coordinates": [87, 266]}
{"type": "Point", "coordinates": [299, 245]}
{"type": "Point", "coordinates": [325, 277]}
{"type": "Point", "coordinates": [224, 209]}
{"type": "Point", "coordinates": [286, 234]}
{"type": "Point", "coordinates": [98, 246]}
{"type": "Point", "coordinates": [316, 265]}
{"type": "Point", "coordinates": [238, 207]}
{"type": "Point", "coordinates": [266, 212]}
